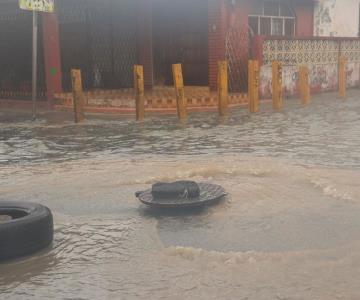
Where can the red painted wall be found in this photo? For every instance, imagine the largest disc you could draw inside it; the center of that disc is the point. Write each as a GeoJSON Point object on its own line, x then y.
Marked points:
{"type": "Point", "coordinates": [238, 14]}
{"type": "Point", "coordinates": [145, 41]}
{"type": "Point", "coordinates": [52, 56]}
{"type": "Point", "coordinates": [304, 11]}
{"type": "Point", "coordinates": [217, 33]}
{"type": "Point", "coordinates": [222, 15]}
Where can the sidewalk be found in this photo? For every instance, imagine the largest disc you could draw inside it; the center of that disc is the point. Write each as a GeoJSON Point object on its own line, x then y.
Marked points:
{"type": "Point", "coordinates": [157, 100]}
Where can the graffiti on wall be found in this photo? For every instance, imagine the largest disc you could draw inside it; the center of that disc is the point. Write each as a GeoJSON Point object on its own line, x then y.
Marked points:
{"type": "Point", "coordinates": [320, 55]}
{"type": "Point", "coordinates": [324, 18]}
{"type": "Point", "coordinates": [336, 18]}
{"type": "Point", "coordinates": [322, 78]}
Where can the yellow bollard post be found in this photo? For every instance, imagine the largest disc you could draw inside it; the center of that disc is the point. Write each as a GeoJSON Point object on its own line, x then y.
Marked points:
{"type": "Point", "coordinates": [277, 85]}
{"type": "Point", "coordinates": [223, 89]}
{"type": "Point", "coordinates": [342, 77]}
{"type": "Point", "coordinates": [139, 92]}
{"type": "Point", "coordinates": [304, 84]}
{"type": "Point", "coordinates": [253, 86]}
{"type": "Point", "coordinates": [78, 97]}
{"type": "Point", "coordinates": [179, 91]}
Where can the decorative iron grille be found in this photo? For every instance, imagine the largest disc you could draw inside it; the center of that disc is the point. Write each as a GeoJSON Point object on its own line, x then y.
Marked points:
{"type": "Point", "coordinates": [314, 51]}
{"type": "Point", "coordinates": [295, 52]}
{"type": "Point", "coordinates": [237, 55]}
{"type": "Point", "coordinates": [16, 54]}
{"type": "Point", "coordinates": [98, 37]}
{"type": "Point", "coordinates": [351, 50]}
{"type": "Point", "coordinates": [321, 55]}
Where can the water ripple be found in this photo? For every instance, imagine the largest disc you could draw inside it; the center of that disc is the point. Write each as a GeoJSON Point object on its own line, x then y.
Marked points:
{"type": "Point", "coordinates": [324, 133]}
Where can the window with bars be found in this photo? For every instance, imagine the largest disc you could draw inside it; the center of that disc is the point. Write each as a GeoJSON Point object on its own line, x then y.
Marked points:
{"type": "Point", "coordinates": [274, 18]}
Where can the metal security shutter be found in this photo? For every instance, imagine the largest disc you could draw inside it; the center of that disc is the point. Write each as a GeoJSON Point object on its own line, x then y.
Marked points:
{"type": "Point", "coordinates": [99, 37]}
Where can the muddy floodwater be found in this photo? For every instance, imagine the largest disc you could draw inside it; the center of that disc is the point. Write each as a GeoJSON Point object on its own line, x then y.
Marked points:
{"type": "Point", "coordinates": [290, 228]}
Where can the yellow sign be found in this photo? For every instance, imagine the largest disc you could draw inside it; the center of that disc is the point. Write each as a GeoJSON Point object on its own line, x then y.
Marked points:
{"type": "Point", "coordinates": [37, 5]}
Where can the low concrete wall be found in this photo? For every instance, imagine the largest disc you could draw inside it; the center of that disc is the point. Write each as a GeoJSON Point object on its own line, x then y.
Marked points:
{"type": "Point", "coordinates": [323, 78]}
{"type": "Point", "coordinates": [319, 54]}
{"type": "Point", "coordinates": [158, 98]}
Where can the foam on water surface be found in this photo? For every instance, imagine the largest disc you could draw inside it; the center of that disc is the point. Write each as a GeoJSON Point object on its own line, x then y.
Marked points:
{"type": "Point", "coordinates": [278, 234]}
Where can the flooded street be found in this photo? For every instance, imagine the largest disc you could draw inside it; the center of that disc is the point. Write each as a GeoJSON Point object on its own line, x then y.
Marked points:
{"type": "Point", "coordinates": [290, 228]}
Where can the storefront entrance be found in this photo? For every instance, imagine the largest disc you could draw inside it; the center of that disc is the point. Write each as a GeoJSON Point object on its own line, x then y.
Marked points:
{"type": "Point", "coordinates": [98, 37]}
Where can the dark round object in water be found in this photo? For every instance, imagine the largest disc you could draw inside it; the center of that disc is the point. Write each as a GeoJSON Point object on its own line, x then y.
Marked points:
{"type": "Point", "coordinates": [209, 194]}
{"type": "Point", "coordinates": [25, 228]}
{"type": "Point", "coordinates": [178, 189]}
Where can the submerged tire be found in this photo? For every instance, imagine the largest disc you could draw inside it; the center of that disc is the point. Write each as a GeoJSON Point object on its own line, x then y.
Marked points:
{"type": "Point", "coordinates": [25, 228]}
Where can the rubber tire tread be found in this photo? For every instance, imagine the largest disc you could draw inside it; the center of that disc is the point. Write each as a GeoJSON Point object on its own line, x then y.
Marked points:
{"type": "Point", "coordinates": [26, 235]}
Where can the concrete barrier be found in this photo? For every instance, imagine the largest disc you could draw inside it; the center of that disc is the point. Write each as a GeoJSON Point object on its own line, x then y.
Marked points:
{"type": "Point", "coordinates": [223, 89]}
{"type": "Point", "coordinates": [342, 77]}
{"type": "Point", "coordinates": [277, 85]}
{"type": "Point", "coordinates": [304, 84]}
{"type": "Point", "coordinates": [78, 97]}
{"type": "Point", "coordinates": [139, 92]}
{"type": "Point", "coordinates": [253, 86]}
{"type": "Point", "coordinates": [179, 91]}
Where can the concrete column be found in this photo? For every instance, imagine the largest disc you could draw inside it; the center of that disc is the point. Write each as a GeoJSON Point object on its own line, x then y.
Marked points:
{"type": "Point", "coordinates": [218, 19]}
{"type": "Point", "coordinates": [52, 55]}
{"type": "Point", "coordinates": [145, 41]}
{"type": "Point", "coordinates": [257, 48]}
{"type": "Point", "coordinates": [304, 13]}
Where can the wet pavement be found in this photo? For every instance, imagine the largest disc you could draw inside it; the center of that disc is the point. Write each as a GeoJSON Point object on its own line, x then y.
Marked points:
{"type": "Point", "coordinates": [290, 228]}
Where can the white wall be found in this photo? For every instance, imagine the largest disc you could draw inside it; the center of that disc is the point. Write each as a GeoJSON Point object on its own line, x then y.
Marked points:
{"type": "Point", "coordinates": [336, 18]}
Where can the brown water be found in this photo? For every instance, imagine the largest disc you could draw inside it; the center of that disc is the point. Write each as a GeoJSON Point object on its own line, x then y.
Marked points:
{"type": "Point", "coordinates": [290, 228]}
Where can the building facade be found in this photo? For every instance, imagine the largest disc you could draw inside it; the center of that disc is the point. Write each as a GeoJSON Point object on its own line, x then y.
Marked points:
{"type": "Point", "coordinates": [105, 38]}
{"type": "Point", "coordinates": [337, 18]}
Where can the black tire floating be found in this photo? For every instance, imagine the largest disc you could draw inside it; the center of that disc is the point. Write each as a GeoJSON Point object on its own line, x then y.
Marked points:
{"type": "Point", "coordinates": [25, 229]}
